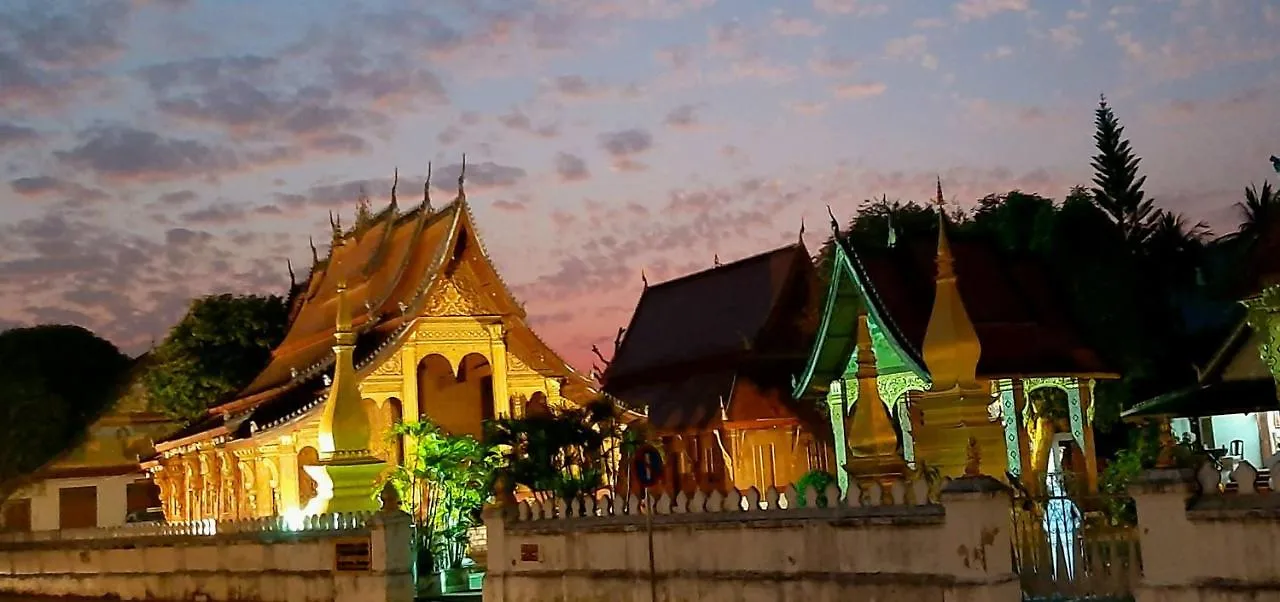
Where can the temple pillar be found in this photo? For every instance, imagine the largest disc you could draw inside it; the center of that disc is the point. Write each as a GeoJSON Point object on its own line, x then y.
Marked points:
{"type": "Point", "coordinates": [287, 486]}
{"type": "Point", "coordinates": [409, 381]}
{"type": "Point", "coordinates": [837, 404]}
{"type": "Point", "coordinates": [498, 364]}
{"type": "Point", "coordinates": [1024, 438]}
{"type": "Point", "coordinates": [1012, 427]}
{"type": "Point", "coordinates": [1084, 392]}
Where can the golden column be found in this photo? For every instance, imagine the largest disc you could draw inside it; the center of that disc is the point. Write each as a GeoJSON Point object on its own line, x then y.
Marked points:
{"type": "Point", "coordinates": [347, 470]}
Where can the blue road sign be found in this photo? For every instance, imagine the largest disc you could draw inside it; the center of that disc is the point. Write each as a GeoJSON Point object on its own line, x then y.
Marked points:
{"type": "Point", "coordinates": [647, 465]}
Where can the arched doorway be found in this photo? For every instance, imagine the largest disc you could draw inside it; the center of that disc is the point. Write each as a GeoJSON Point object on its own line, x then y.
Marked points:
{"type": "Point", "coordinates": [459, 403]}
{"type": "Point", "coordinates": [391, 446]}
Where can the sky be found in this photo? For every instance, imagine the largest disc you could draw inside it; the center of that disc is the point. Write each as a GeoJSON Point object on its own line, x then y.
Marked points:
{"type": "Point", "coordinates": [153, 151]}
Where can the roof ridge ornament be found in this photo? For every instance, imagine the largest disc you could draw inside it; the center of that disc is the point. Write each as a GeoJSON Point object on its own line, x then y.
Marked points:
{"type": "Point", "coordinates": [800, 238]}
{"type": "Point", "coordinates": [462, 177]}
{"type": "Point", "coordinates": [395, 181]}
{"type": "Point", "coordinates": [292, 279]}
{"type": "Point", "coordinates": [835, 224]}
{"type": "Point", "coordinates": [426, 190]}
{"type": "Point", "coordinates": [644, 278]}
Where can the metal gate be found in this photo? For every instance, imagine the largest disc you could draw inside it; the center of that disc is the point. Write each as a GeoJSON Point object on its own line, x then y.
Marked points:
{"type": "Point", "coordinates": [1076, 547]}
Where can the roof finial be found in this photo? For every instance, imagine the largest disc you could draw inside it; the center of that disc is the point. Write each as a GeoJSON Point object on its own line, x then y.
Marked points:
{"type": "Point", "coordinates": [292, 281]}
{"type": "Point", "coordinates": [939, 200]}
{"type": "Point", "coordinates": [801, 237]}
{"type": "Point", "coordinates": [395, 181]}
{"type": "Point", "coordinates": [426, 190]}
{"type": "Point", "coordinates": [335, 222]}
{"type": "Point", "coordinates": [951, 348]}
{"type": "Point", "coordinates": [835, 224]}
{"type": "Point", "coordinates": [315, 255]}
{"type": "Point", "coordinates": [462, 176]}
{"type": "Point", "coordinates": [716, 259]}
{"type": "Point", "coordinates": [644, 278]}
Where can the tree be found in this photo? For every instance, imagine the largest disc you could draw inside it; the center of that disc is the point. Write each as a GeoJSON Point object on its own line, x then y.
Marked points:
{"type": "Point", "coordinates": [217, 349]}
{"type": "Point", "coordinates": [564, 452]}
{"type": "Point", "coordinates": [1021, 222]}
{"type": "Point", "coordinates": [1118, 187]}
{"type": "Point", "coordinates": [1259, 208]}
{"type": "Point", "coordinates": [54, 381]}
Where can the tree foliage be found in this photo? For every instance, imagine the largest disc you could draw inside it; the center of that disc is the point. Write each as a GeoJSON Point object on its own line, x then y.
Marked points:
{"type": "Point", "coordinates": [565, 452]}
{"type": "Point", "coordinates": [54, 381]}
{"type": "Point", "coordinates": [1117, 185]}
{"type": "Point", "coordinates": [217, 348]}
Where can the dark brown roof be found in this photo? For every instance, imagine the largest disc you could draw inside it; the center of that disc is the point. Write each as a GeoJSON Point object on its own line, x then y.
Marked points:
{"type": "Point", "coordinates": [1012, 302]}
{"type": "Point", "coordinates": [692, 337]}
{"type": "Point", "coordinates": [716, 313]}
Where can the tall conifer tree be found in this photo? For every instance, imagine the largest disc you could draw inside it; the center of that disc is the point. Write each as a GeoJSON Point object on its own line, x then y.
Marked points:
{"type": "Point", "coordinates": [1118, 191]}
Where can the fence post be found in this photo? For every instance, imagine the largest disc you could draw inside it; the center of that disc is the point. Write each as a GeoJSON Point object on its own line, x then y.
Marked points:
{"type": "Point", "coordinates": [1160, 498]}
{"type": "Point", "coordinates": [495, 517]}
{"type": "Point", "coordinates": [978, 529]}
{"type": "Point", "coordinates": [390, 532]}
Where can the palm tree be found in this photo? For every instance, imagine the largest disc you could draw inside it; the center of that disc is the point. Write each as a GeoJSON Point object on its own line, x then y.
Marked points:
{"type": "Point", "coordinates": [1258, 208]}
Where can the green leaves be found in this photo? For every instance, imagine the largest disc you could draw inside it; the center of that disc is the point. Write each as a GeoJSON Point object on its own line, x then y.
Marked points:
{"type": "Point", "coordinates": [217, 349]}
{"type": "Point", "coordinates": [54, 381]}
{"type": "Point", "coordinates": [443, 485]}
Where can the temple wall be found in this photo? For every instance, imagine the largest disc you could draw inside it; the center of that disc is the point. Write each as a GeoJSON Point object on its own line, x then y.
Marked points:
{"type": "Point", "coordinates": [1208, 538]}
{"type": "Point", "coordinates": [264, 560]}
{"type": "Point", "coordinates": [709, 549]}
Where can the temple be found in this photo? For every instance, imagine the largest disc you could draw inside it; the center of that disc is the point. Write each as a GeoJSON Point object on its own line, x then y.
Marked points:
{"type": "Point", "coordinates": [972, 355]}
{"type": "Point", "coordinates": [710, 356]}
{"type": "Point", "coordinates": [405, 318]}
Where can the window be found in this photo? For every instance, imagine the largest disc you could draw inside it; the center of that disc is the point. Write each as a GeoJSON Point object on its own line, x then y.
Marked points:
{"type": "Point", "coordinates": [77, 507]}
{"type": "Point", "coordinates": [16, 516]}
{"type": "Point", "coordinates": [141, 495]}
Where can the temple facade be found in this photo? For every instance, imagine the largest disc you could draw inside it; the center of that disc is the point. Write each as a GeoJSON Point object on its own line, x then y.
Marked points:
{"type": "Point", "coordinates": [709, 356]}
{"type": "Point", "coordinates": [971, 355]}
{"type": "Point", "coordinates": [406, 318]}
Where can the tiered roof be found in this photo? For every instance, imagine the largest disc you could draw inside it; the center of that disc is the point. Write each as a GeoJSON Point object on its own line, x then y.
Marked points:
{"type": "Point", "coordinates": [694, 340]}
{"type": "Point", "coordinates": [391, 263]}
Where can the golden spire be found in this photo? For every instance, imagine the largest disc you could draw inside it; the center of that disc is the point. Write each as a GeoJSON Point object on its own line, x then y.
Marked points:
{"type": "Point", "coordinates": [951, 348]}
{"type": "Point", "coordinates": [343, 426]}
{"type": "Point", "coordinates": [872, 439]}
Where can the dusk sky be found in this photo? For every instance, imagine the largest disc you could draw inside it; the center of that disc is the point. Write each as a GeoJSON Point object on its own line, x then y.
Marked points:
{"type": "Point", "coordinates": [154, 151]}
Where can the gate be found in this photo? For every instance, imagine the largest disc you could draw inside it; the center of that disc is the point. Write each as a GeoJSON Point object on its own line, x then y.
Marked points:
{"type": "Point", "coordinates": [1076, 547]}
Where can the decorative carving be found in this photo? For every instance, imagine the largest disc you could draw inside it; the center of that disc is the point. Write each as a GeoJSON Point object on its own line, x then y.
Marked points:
{"type": "Point", "coordinates": [973, 459]}
{"type": "Point", "coordinates": [515, 364]}
{"type": "Point", "coordinates": [248, 481]}
{"type": "Point", "coordinates": [390, 367]}
{"type": "Point", "coordinates": [893, 386]}
{"type": "Point", "coordinates": [1066, 383]}
{"type": "Point", "coordinates": [453, 298]}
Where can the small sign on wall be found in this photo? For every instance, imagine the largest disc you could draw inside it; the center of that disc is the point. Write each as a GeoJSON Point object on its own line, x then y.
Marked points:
{"type": "Point", "coordinates": [352, 555]}
{"type": "Point", "coordinates": [529, 552]}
